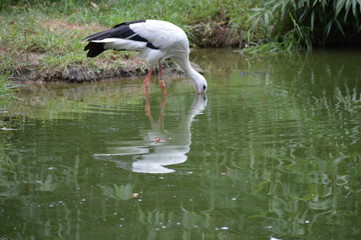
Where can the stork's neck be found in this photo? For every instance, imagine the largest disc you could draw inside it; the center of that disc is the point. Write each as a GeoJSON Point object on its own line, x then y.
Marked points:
{"type": "Point", "coordinates": [189, 71]}
{"type": "Point", "coordinates": [199, 82]}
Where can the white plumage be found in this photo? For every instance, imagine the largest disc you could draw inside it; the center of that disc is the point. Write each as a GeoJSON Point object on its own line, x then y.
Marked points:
{"type": "Point", "coordinates": [155, 40]}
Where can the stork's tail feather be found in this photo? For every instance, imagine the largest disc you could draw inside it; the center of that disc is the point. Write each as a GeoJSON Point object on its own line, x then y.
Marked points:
{"type": "Point", "coordinates": [94, 49]}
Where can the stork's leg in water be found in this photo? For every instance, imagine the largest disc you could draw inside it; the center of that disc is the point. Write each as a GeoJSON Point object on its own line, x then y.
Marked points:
{"type": "Point", "coordinates": [147, 105]}
{"type": "Point", "coordinates": [147, 82]}
{"type": "Point", "coordinates": [147, 78]}
{"type": "Point", "coordinates": [161, 82]}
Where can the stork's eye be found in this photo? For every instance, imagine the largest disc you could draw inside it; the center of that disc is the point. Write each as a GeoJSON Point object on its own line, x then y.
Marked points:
{"type": "Point", "coordinates": [204, 88]}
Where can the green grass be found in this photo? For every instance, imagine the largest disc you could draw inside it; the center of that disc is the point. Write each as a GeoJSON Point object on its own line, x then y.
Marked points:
{"type": "Point", "coordinates": [47, 36]}
{"type": "Point", "coordinates": [7, 89]}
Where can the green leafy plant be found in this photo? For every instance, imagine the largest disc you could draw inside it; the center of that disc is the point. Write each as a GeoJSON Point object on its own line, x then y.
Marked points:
{"type": "Point", "coordinates": [7, 89]}
{"type": "Point", "coordinates": [306, 23]}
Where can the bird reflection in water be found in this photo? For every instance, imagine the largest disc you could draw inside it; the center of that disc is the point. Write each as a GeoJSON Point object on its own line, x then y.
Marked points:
{"type": "Point", "coordinates": [159, 147]}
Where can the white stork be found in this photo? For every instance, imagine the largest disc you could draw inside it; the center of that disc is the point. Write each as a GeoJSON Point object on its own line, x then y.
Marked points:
{"type": "Point", "coordinates": [155, 40]}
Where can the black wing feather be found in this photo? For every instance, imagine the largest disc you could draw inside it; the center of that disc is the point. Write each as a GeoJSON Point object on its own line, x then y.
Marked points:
{"type": "Point", "coordinates": [94, 49]}
{"type": "Point", "coordinates": [128, 23]}
{"type": "Point", "coordinates": [121, 30]}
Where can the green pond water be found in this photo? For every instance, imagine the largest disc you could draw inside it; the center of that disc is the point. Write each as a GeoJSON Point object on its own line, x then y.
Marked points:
{"type": "Point", "coordinates": [272, 151]}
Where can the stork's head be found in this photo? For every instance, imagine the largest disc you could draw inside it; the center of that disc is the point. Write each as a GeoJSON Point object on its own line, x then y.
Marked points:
{"type": "Point", "coordinates": [200, 83]}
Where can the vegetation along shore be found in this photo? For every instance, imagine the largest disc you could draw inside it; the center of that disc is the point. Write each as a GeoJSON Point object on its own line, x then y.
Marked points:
{"type": "Point", "coordinates": [42, 41]}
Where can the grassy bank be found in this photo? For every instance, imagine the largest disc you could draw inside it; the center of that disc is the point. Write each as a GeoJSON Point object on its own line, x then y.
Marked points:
{"type": "Point", "coordinates": [42, 40]}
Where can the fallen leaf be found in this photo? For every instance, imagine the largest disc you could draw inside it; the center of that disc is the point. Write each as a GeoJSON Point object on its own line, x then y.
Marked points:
{"type": "Point", "coordinates": [94, 5]}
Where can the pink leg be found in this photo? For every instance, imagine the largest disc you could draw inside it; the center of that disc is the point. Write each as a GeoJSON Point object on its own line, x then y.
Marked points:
{"type": "Point", "coordinates": [147, 105]}
{"type": "Point", "coordinates": [161, 82]}
{"type": "Point", "coordinates": [160, 69]}
{"type": "Point", "coordinates": [147, 78]}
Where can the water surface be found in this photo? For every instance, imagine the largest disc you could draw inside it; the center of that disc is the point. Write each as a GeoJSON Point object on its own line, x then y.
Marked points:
{"type": "Point", "coordinates": [272, 150]}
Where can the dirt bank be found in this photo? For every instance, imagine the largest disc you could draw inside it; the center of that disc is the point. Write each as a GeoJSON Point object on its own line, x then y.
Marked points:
{"type": "Point", "coordinates": [80, 74]}
{"type": "Point", "coordinates": [216, 34]}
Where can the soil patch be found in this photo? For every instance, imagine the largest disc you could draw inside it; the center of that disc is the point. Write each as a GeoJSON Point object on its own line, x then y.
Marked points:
{"type": "Point", "coordinates": [79, 74]}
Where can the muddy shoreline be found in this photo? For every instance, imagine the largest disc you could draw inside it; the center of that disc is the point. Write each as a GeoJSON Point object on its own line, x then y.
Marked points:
{"type": "Point", "coordinates": [79, 74]}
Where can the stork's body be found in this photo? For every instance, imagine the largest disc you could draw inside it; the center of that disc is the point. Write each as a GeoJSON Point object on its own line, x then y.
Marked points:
{"type": "Point", "coordinates": [155, 40]}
